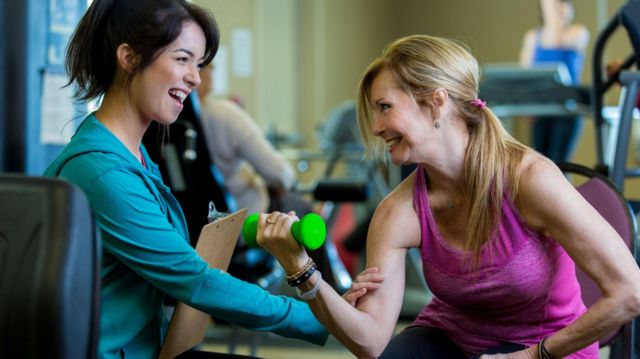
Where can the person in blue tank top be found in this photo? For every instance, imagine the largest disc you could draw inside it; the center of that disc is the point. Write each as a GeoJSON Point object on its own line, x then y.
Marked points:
{"type": "Point", "coordinates": [558, 40]}
{"type": "Point", "coordinates": [142, 59]}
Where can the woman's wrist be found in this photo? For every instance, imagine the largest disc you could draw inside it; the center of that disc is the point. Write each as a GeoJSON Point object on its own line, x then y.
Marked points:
{"type": "Point", "coordinates": [309, 289]}
{"type": "Point", "coordinates": [293, 265]}
{"type": "Point", "coordinates": [542, 350]}
{"type": "Point", "coordinates": [302, 274]}
{"type": "Point", "coordinates": [295, 268]}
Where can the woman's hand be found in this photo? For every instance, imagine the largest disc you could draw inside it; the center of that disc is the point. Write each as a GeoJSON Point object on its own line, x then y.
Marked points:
{"type": "Point", "coordinates": [274, 235]}
{"type": "Point", "coordinates": [529, 353]}
{"type": "Point", "coordinates": [368, 280]}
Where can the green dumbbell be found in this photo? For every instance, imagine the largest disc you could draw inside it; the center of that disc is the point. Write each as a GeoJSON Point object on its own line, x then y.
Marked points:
{"type": "Point", "coordinates": [310, 231]}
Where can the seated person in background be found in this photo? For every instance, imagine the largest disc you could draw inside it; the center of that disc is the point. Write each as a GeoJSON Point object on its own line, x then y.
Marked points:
{"type": "Point", "coordinates": [558, 40]}
{"type": "Point", "coordinates": [499, 227]}
{"type": "Point", "coordinates": [256, 175]}
{"type": "Point", "coordinates": [144, 76]}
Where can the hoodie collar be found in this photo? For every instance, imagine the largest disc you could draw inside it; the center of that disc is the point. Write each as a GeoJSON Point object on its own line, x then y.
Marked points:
{"type": "Point", "coordinates": [93, 136]}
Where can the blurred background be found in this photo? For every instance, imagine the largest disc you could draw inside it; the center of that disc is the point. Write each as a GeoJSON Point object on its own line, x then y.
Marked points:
{"type": "Point", "coordinates": [289, 62]}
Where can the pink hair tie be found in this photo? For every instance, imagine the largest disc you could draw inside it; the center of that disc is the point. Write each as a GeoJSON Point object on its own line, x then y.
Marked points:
{"type": "Point", "coordinates": [479, 103]}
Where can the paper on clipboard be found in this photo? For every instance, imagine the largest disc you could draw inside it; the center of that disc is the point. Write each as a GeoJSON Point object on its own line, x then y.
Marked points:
{"type": "Point", "coordinates": [215, 245]}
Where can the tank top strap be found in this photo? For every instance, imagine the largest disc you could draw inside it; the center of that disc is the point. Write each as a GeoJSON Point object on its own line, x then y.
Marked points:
{"type": "Point", "coordinates": [420, 200]}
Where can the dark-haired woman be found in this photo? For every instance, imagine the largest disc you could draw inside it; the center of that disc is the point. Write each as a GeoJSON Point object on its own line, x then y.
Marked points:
{"type": "Point", "coordinates": [143, 57]}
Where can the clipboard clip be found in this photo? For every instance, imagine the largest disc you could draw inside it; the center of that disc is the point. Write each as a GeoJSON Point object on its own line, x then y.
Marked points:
{"type": "Point", "coordinates": [214, 214]}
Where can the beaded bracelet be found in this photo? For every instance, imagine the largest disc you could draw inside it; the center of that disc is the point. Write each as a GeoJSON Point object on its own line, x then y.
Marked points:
{"type": "Point", "coordinates": [310, 263]}
{"type": "Point", "coordinates": [542, 351]}
{"type": "Point", "coordinates": [303, 277]}
{"type": "Point", "coordinates": [311, 293]}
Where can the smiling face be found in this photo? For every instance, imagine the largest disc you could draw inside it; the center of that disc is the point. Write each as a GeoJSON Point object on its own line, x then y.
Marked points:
{"type": "Point", "coordinates": [401, 122]}
{"type": "Point", "coordinates": [158, 92]}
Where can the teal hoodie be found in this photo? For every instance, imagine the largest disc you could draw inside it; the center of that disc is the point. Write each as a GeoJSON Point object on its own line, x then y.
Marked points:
{"type": "Point", "coordinates": [146, 252]}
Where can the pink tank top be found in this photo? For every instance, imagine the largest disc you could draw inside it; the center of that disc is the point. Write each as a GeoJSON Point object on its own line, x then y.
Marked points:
{"type": "Point", "coordinates": [524, 288]}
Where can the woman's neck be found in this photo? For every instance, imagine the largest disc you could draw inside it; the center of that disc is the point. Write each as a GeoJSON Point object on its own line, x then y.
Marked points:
{"type": "Point", "coordinates": [446, 191]}
{"type": "Point", "coordinates": [450, 181]}
{"type": "Point", "coordinates": [117, 114]}
{"type": "Point", "coordinates": [446, 168]}
{"type": "Point", "coordinates": [446, 159]}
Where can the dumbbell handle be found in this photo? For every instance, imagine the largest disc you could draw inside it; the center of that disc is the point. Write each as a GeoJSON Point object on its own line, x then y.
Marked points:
{"type": "Point", "coordinates": [310, 231]}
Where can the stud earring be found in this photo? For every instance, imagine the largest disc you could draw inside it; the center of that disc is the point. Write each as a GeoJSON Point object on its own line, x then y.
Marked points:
{"type": "Point", "coordinates": [437, 124]}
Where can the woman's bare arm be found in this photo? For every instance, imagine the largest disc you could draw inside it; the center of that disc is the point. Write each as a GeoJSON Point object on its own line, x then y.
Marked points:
{"type": "Point", "coordinates": [551, 205]}
{"type": "Point", "coordinates": [366, 329]}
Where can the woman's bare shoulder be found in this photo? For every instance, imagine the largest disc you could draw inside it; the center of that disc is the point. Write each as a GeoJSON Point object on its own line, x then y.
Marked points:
{"type": "Point", "coordinates": [536, 170]}
{"type": "Point", "coordinates": [541, 185]}
{"type": "Point", "coordinates": [395, 218]}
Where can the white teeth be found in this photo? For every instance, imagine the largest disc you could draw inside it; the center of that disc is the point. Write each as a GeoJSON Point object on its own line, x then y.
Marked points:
{"type": "Point", "coordinates": [179, 94]}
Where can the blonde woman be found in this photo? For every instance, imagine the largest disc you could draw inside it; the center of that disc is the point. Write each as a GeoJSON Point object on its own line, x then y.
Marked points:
{"type": "Point", "coordinates": [498, 225]}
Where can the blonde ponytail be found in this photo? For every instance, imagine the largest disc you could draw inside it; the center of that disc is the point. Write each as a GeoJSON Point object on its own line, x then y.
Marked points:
{"type": "Point", "coordinates": [420, 64]}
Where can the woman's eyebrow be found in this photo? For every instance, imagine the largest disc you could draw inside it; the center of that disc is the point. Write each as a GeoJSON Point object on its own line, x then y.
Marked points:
{"type": "Point", "coordinates": [189, 52]}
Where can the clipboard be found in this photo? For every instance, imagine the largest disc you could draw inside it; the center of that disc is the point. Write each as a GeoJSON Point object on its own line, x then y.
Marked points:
{"type": "Point", "coordinates": [215, 245]}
